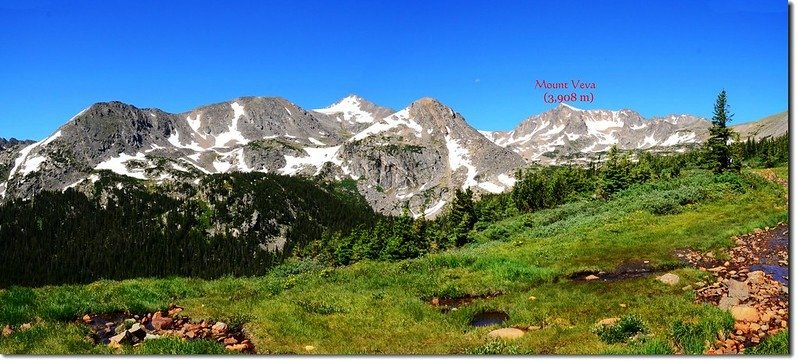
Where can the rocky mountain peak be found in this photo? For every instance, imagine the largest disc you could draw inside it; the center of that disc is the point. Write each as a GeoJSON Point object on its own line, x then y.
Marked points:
{"type": "Point", "coordinates": [354, 109]}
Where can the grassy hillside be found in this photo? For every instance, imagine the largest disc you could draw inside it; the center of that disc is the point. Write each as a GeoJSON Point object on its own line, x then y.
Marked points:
{"type": "Point", "coordinates": [523, 263]}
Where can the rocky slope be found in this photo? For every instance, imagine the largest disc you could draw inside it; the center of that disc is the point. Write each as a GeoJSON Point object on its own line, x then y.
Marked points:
{"type": "Point", "coordinates": [569, 135]}
{"type": "Point", "coordinates": [566, 134]}
{"type": "Point", "coordinates": [412, 158]}
{"type": "Point", "coordinates": [772, 126]}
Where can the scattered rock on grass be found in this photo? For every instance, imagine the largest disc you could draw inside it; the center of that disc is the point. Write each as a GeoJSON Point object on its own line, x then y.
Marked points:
{"type": "Point", "coordinates": [744, 313]}
{"type": "Point", "coordinates": [669, 279]}
{"type": "Point", "coordinates": [506, 333]}
{"type": "Point", "coordinates": [609, 321]}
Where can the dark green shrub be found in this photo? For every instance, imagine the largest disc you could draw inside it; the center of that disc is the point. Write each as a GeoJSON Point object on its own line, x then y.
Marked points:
{"type": "Point", "coordinates": [663, 206]}
{"type": "Point", "coordinates": [626, 327]}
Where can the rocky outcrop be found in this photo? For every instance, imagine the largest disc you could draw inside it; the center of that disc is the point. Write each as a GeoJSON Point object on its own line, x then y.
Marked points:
{"type": "Point", "coordinates": [413, 158]}
{"type": "Point", "coordinates": [569, 135]}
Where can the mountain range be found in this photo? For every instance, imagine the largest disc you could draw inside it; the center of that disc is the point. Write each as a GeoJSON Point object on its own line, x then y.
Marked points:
{"type": "Point", "coordinates": [413, 158]}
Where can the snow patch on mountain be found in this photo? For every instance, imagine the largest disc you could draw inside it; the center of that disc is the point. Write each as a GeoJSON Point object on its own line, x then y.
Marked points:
{"type": "Point", "coordinates": [570, 107]}
{"type": "Point", "coordinates": [392, 121]}
{"type": "Point", "coordinates": [23, 155]}
{"type": "Point", "coordinates": [435, 208]}
{"type": "Point", "coordinates": [677, 138]}
{"type": "Point", "coordinates": [118, 165]}
{"type": "Point", "coordinates": [316, 157]}
{"type": "Point", "coordinates": [316, 141]}
{"type": "Point", "coordinates": [32, 164]}
{"type": "Point", "coordinates": [232, 134]}
{"type": "Point", "coordinates": [24, 164]}
{"type": "Point", "coordinates": [459, 157]}
{"type": "Point", "coordinates": [507, 180]}
{"type": "Point", "coordinates": [602, 124]}
{"type": "Point", "coordinates": [174, 139]}
{"type": "Point", "coordinates": [490, 187]}
{"type": "Point", "coordinates": [195, 122]}
{"type": "Point", "coordinates": [79, 114]}
{"type": "Point", "coordinates": [350, 108]}
{"type": "Point", "coordinates": [647, 142]}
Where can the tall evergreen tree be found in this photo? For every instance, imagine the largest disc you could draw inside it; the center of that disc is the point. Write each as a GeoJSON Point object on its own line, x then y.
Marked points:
{"type": "Point", "coordinates": [718, 149]}
{"type": "Point", "coordinates": [463, 215]}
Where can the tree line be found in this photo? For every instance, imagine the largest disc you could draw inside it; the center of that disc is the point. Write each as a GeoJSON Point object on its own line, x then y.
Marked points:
{"type": "Point", "coordinates": [224, 226]}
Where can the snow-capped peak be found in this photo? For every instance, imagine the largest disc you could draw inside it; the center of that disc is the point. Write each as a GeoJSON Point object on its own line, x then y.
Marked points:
{"type": "Point", "coordinates": [351, 108]}
{"type": "Point", "coordinates": [570, 107]}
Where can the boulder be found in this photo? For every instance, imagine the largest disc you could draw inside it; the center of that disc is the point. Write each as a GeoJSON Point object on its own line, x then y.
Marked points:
{"type": "Point", "coordinates": [7, 331]}
{"type": "Point", "coordinates": [745, 313]}
{"type": "Point", "coordinates": [237, 347]}
{"type": "Point", "coordinates": [25, 327]}
{"type": "Point", "coordinates": [738, 290]}
{"type": "Point", "coordinates": [119, 338]}
{"type": "Point", "coordinates": [309, 348]}
{"type": "Point", "coordinates": [137, 332]}
{"type": "Point", "coordinates": [151, 336]}
{"type": "Point", "coordinates": [87, 318]}
{"type": "Point", "coordinates": [506, 333]}
{"type": "Point", "coordinates": [609, 321]}
{"type": "Point", "coordinates": [669, 279]}
{"type": "Point", "coordinates": [219, 328]}
{"type": "Point", "coordinates": [175, 311]}
{"type": "Point", "coordinates": [727, 302]}
{"type": "Point", "coordinates": [159, 322]}
{"type": "Point", "coordinates": [591, 277]}
{"type": "Point", "coordinates": [756, 277]}
{"type": "Point", "coordinates": [229, 341]}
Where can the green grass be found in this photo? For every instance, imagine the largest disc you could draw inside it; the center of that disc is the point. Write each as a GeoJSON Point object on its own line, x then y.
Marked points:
{"type": "Point", "coordinates": [177, 346]}
{"type": "Point", "coordinates": [692, 337]}
{"type": "Point", "coordinates": [778, 344]}
{"type": "Point", "coordinates": [782, 172]}
{"type": "Point", "coordinates": [380, 307]}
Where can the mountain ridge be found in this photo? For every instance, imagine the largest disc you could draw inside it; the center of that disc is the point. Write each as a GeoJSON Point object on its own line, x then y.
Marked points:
{"type": "Point", "coordinates": [411, 158]}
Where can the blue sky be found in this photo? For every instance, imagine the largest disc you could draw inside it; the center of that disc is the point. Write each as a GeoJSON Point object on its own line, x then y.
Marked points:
{"type": "Point", "coordinates": [480, 57]}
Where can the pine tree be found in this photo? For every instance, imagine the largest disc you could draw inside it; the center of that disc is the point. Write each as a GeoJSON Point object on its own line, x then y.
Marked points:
{"type": "Point", "coordinates": [463, 216]}
{"type": "Point", "coordinates": [718, 149]}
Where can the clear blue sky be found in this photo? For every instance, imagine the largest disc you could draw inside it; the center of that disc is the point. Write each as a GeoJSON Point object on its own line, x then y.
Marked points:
{"type": "Point", "coordinates": [482, 58]}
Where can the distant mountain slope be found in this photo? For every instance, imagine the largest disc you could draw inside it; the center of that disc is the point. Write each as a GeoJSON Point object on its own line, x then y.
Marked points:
{"type": "Point", "coordinates": [411, 158]}
{"type": "Point", "coordinates": [771, 126]}
{"type": "Point", "coordinates": [568, 134]}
